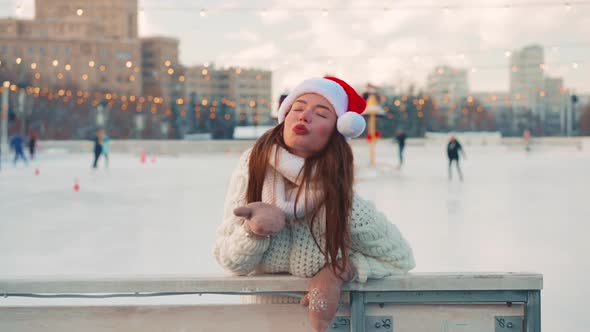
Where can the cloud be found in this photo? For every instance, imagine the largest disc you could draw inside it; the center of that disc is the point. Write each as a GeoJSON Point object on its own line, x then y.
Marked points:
{"type": "Point", "coordinates": [255, 56]}
{"type": "Point", "coordinates": [361, 42]}
{"type": "Point", "coordinates": [243, 35]}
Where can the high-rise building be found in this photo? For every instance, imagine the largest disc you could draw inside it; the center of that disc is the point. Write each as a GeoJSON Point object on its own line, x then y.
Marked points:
{"type": "Point", "coordinates": [249, 89]}
{"type": "Point", "coordinates": [206, 81]}
{"type": "Point", "coordinates": [527, 68]}
{"type": "Point", "coordinates": [74, 44]}
{"type": "Point", "coordinates": [446, 84]}
{"type": "Point", "coordinates": [162, 72]}
{"type": "Point", "coordinates": [118, 17]}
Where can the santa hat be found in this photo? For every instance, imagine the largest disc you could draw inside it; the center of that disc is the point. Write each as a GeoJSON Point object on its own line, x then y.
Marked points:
{"type": "Point", "coordinates": [347, 103]}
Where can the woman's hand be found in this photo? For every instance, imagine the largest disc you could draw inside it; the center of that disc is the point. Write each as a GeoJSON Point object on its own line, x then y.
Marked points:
{"type": "Point", "coordinates": [323, 297]}
{"type": "Point", "coordinates": [262, 219]}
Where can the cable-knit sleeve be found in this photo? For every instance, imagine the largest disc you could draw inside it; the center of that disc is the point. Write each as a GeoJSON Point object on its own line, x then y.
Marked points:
{"type": "Point", "coordinates": [233, 250]}
{"type": "Point", "coordinates": [378, 249]}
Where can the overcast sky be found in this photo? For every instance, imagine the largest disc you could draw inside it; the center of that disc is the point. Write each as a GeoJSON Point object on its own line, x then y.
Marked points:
{"type": "Point", "coordinates": [363, 42]}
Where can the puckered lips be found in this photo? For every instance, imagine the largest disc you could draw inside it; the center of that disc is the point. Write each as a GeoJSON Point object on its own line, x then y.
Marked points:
{"type": "Point", "coordinates": [300, 129]}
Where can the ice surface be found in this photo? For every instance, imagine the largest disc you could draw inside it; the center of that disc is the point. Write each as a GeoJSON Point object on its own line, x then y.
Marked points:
{"type": "Point", "coordinates": [515, 211]}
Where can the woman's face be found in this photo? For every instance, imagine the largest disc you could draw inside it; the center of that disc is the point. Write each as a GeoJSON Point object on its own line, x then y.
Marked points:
{"type": "Point", "coordinates": [309, 124]}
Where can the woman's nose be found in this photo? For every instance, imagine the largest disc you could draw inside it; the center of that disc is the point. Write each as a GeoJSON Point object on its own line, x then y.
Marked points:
{"type": "Point", "coordinates": [305, 115]}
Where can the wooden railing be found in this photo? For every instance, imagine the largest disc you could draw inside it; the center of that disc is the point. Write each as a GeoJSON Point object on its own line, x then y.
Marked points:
{"type": "Point", "coordinates": [415, 302]}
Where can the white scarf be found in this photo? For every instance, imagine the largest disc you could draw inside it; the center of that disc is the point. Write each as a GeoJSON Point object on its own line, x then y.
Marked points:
{"type": "Point", "coordinates": [287, 166]}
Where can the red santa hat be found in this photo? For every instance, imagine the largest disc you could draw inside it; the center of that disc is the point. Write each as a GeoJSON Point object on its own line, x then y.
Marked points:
{"type": "Point", "coordinates": [347, 103]}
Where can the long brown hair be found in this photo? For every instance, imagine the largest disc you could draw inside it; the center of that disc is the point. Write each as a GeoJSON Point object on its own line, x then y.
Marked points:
{"type": "Point", "coordinates": [334, 174]}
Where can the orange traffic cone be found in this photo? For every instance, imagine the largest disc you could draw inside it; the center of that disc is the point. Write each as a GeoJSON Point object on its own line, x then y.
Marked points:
{"type": "Point", "coordinates": [76, 185]}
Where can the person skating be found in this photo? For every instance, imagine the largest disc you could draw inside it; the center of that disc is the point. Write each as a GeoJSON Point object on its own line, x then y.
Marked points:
{"type": "Point", "coordinates": [106, 148]}
{"type": "Point", "coordinates": [400, 138]}
{"type": "Point", "coordinates": [17, 144]}
{"type": "Point", "coordinates": [453, 150]}
{"type": "Point", "coordinates": [32, 145]}
{"type": "Point", "coordinates": [97, 147]}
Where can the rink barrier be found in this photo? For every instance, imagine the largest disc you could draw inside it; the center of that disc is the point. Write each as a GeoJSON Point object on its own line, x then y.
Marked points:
{"type": "Point", "coordinates": [176, 147]}
{"type": "Point", "coordinates": [417, 302]}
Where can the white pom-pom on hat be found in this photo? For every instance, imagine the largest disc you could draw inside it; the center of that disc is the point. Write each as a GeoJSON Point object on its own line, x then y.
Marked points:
{"type": "Point", "coordinates": [351, 124]}
{"type": "Point", "coordinates": [347, 103]}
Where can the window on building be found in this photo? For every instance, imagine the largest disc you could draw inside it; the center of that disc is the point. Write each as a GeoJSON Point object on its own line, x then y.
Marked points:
{"type": "Point", "coordinates": [123, 55]}
{"type": "Point", "coordinates": [56, 50]}
{"type": "Point", "coordinates": [130, 26]}
{"type": "Point", "coordinates": [42, 50]}
{"type": "Point", "coordinates": [67, 50]}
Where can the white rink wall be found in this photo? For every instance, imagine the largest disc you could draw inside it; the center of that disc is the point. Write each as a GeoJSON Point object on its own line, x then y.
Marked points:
{"type": "Point", "coordinates": [174, 147]}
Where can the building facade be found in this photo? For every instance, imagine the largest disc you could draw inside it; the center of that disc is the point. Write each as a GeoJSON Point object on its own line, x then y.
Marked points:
{"type": "Point", "coordinates": [527, 68]}
{"type": "Point", "coordinates": [118, 18]}
{"type": "Point", "coordinates": [74, 44]}
{"type": "Point", "coordinates": [161, 70]}
{"type": "Point", "coordinates": [247, 90]}
{"type": "Point", "coordinates": [446, 84]}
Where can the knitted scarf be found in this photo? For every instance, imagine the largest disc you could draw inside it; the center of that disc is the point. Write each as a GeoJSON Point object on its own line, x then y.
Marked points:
{"type": "Point", "coordinates": [286, 166]}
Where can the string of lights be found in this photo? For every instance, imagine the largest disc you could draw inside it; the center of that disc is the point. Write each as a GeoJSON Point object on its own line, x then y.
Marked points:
{"type": "Point", "coordinates": [408, 56]}
{"type": "Point", "coordinates": [204, 10]}
{"type": "Point", "coordinates": [567, 5]}
{"type": "Point", "coordinates": [156, 105]}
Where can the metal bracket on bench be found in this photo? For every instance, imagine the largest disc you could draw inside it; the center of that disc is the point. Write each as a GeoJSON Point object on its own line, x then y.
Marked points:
{"type": "Point", "coordinates": [340, 324]}
{"type": "Point", "coordinates": [372, 324]}
{"type": "Point", "coordinates": [509, 323]}
{"type": "Point", "coordinates": [379, 324]}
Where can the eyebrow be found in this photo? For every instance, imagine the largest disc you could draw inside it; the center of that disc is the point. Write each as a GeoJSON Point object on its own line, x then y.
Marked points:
{"type": "Point", "coordinates": [317, 106]}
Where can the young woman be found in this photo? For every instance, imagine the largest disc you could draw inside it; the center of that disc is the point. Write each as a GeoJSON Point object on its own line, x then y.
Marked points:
{"type": "Point", "coordinates": [303, 170]}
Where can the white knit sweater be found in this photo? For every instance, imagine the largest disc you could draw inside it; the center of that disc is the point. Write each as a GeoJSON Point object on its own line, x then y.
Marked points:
{"type": "Point", "coordinates": [377, 247]}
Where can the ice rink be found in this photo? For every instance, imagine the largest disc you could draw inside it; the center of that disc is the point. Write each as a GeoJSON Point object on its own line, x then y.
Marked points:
{"type": "Point", "coordinates": [515, 211]}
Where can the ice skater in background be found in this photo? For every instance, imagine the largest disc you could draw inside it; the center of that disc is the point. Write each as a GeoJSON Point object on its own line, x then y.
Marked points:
{"type": "Point", "coordinates": [17, 144]}
{"type": "Point", "coordinates": [400, 138]}
{"type": "Point", "coordinates": [97, 147]}
{"type": "Point", "coordinates": [526, 137]}
{"type": "Point", "coordinates": [453, 149]}
{"type": "Point", "coordinates": [105, 148]}
{"type": "Point", "coordinates": [32, 145]}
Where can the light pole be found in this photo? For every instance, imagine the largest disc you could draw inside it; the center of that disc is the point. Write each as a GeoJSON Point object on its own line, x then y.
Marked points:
{"type": "Point", "coordinates": [139, 125]}
{"type": "Point", "coordinates": [4, 117]}
{"type": "Point", "coordinates": [373, 110]}
{"type": "Point", "coordinates": [164, 129]}
{"type": "Point", "coordinates": [21, 110]}
{"type": "Point", "coordinates": [100, 116]}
